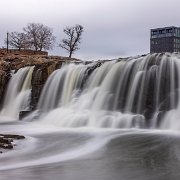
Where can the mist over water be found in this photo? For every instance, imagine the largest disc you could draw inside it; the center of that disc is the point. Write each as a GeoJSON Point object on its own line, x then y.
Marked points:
{"type": "Point", "coordinates": [105, 120]}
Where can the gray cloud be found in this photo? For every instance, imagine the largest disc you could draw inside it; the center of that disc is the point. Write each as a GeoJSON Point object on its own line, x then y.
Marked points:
{"type": "Point", "coordinates": [113, 28]}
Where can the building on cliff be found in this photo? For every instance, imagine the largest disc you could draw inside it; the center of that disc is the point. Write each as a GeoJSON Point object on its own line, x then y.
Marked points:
{"type": "Point", "coordinates": [165, 39]}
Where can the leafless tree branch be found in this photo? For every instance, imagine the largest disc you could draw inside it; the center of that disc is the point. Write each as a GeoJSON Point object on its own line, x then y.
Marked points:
{"type": "Point", "coordinates": [39, 36]}
{"type": "Point", "coordinates": [71, 43]}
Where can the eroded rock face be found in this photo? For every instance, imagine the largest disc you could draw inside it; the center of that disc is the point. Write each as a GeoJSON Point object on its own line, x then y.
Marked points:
{"type": "Point", "coordinates": [4, 78]}
{"type": "Point", "coordinates": [40, 74]}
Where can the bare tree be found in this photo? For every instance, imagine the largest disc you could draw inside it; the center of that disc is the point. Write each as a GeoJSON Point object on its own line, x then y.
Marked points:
{"type": "Point", "coordinates": [17, 40]}
{"type": "Point", "coordinates": [39, 36]}
{"type": "Point", "coordinates": [71, 43]}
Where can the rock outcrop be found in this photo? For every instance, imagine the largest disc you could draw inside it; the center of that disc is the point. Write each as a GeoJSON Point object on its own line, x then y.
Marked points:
{"type": "Point", "coordinates": [40, 74]}
{"type": "Point", "coordinates": [7, 141]}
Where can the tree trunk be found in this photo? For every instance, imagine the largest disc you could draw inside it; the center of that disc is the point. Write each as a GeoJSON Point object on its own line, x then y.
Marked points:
{"type": "Point", "coordinates": [70, 54]}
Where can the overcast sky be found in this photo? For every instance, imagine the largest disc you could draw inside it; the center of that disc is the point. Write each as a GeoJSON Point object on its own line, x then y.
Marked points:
{"type": "Point", "coordinates": [112, 28]}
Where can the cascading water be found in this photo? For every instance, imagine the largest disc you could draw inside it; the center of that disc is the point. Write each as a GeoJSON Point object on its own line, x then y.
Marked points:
{"type": "Point", "coordinates": [137, 99]}
{"type": "Point", "coordinates": [18, 93]}
{"type": "Point", "coordinates": [119, 94]}
{"type": "Point", "coordinates": [141, 92]}
{"type": "Point", "coordinates": [60, 86]}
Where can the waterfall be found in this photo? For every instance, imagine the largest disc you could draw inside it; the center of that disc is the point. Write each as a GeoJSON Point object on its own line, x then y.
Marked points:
{"type": "Point", "coordinates": [18, 93]}
{"type": "Point", "coordinates": [141, 92]}
{"type": "Point", "coordinates": [61, 86]}
{"type": "Point", "coordinates": [137, 92]}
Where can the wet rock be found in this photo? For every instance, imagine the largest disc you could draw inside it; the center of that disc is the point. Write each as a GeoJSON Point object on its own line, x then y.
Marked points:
{"type": "Point", "coordinates": [6, 140]}
{"type": "Point", "coordinates": [23, 114]}
{"type": "Point", "coordinates": [40, 74]}
{"type": "Point", "coordinates": [11, 136]}
{"type": "Point", "coordinates": [4, 79]}
{"type": "Point", "coordinates": [6, 146]}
